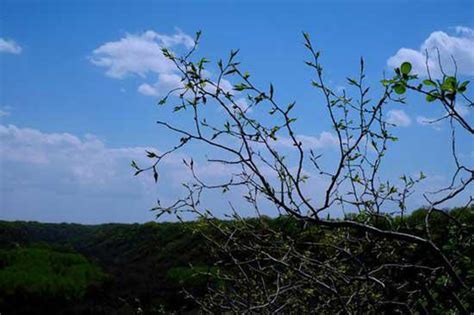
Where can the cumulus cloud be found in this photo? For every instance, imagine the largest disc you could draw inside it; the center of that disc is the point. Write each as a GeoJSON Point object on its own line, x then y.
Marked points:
{"type": "Point", "coordinates": [60, 176]}
{"type": "Point", "coordinates": [459, 46]}
{"type": "Point", "coordinates": [84, 159]}
{"type": "Point", "coordinates": [64, 177]}
{"type": "Point", "coordinates": [137, 54]}
{"type": "Point", "coordinates": [141, 55]}
{"type": "Point", "coordinates": [166, 82]}
{"type": "Point", "coordinates": [179, 38]}
{"type": "Point", "coordinates": [147, 89]}
{"type": "Point", "coordinates": [9, 46]}
{"type": "Point", "coordinates": [3, 113]}
{"type": "Point", "coordinates": [398, 117]}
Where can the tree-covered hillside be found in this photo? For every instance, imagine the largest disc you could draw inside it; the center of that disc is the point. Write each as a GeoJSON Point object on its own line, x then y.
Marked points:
{"type": "Point", "coordinates": [141, 265]}
{"type": "Point", "coordinates": [129, 268]}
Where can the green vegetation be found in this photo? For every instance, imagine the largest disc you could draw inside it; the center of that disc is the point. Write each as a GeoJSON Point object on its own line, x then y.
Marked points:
{"type": "Point", "coordinates": [58, 264]}
{"type": "Point", "coordinates": [57, 267]}
{"type": "Point", "coordinates": [194, 276]}
{"type": "Point", "coordinates": [46, 272]}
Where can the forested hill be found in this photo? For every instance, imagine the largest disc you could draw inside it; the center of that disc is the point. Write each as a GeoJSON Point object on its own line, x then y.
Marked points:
{"type": "Point", "coordinates": [142, 266]}
{"type": "Point", "coordinates": [128, 268]}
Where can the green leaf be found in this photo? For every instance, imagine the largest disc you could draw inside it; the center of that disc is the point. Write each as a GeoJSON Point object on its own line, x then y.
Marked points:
{"type": "Point", "coordinates": [306, 36]}
{"type": "Point", "coordinates": [290, 107]}
{"type": "Point", "coordinates": [405, 67]}
{"type": "Point", "coordinates": [155, 175]}
{"type": "Point", "coordinates": [316, 84]}
{"type": "Point", "coordinates": [464, 84]}
{"type": "Point", "coordinates": [429, 82]}
{"type": "Point", "coordinates": [240, 87]}
{"type": "Point", "coordinates": [430, 98]}
{"type": "Point", "coordinates": [233, 53]}
{"type": "Point", "coordinates": [449, 84]}
{"type": "Point", "coordinates": [463, 87]}
{"type": "Point", "coordinates": [386, 82]}
{"type": "Point", "coordinates": [230, 71]}
{"type": "Point", "coordinates": [451, 81]}
{"type": "Point", "coordinates": [150, 154]}
{"type": "Point", "coordinates": [162, 101]}
{"type": "Point", "coordinates": [352, 81]}
{"type": "Point", "coordinates": [202, 62]}
{"type": "Point", "coordinates": [178, 108]}
{"type": "Point", "coordinates": [446, 87]}
{"type": "Point", "coordinates": [198, 35]}
{"type": "Point", "coordinates": [399, 88]}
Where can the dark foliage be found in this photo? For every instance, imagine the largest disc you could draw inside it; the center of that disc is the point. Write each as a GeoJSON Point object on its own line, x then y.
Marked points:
{"type": "Point", "coordinates": [140, 261]}
{"type": "Point", "coordinates": [146, 266]}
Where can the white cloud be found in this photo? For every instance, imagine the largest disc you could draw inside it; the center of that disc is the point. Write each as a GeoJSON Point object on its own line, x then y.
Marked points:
{"type": "Point", "coordinates": [133, 54]}
{"type": "Point", "coordinates": [464, 30]}
{"type": "Point", "coordinates": [243, 105]}
{"type": "Point", "coordinates": [459, 46]}
{"type": "Point", "coordinates": [82, 172]}
{"type": "Point", "coordinates": [138, 54]}
{"type": "Point", "coordinates": [64, 177]}
{"type": "Point", "coordinates": [9, 46]}
{"type": "Point", "coordinates": [141, 55]}
{"type": "Point", "coordinates": [325, 140]}
{"type": "Point", "coordinates": [427, 121]}
{"type": "Point", "coordinates": [60, 177]}
{"type": "Point", "coordinates": [147, 89]}
{"type": "Point", "coordinates": [398, 117]}
{"type": "Point", "coordinates": [179, 38]}
{"type": "Point", "coordinates": [4, 113]}
{"type": "Point", "coordinates": [166, 82]}
{"type": "Point", "coordinates": [33, 146]}
{"type": "Point", "coordinates": [224, 85]}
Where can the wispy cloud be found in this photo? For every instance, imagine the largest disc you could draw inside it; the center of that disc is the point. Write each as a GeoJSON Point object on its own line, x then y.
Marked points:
{"type": "Point", "coordinates": [435, 123]}
{"type": "Point", "coordinates": [398, 117]}
{"type": "Point", "coordinates": [459, 47]}
{"type": "Point", "coordinates": [324, 140]}
{"type": "Point", "coordinates": [9, 46]}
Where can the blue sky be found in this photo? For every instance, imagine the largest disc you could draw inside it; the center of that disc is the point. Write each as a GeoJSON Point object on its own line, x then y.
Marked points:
{"type": "Point", "coordinates": [73, 115]}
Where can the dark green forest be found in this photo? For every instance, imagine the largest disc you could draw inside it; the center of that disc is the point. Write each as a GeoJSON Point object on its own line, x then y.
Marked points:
{"type": "Point", "coordinates": [135, 268]}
